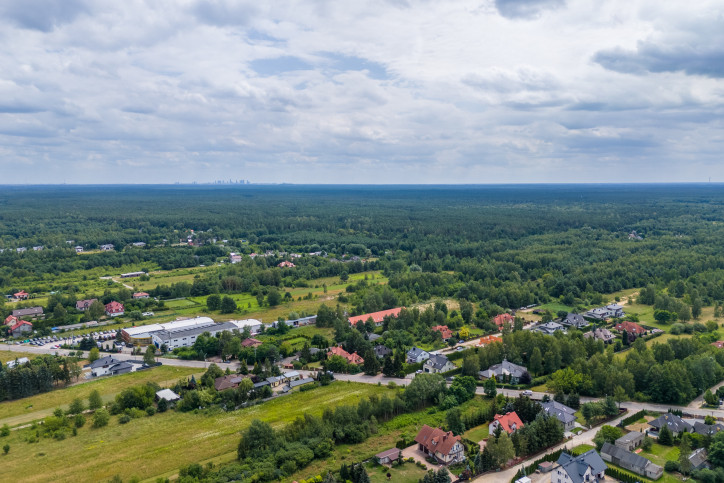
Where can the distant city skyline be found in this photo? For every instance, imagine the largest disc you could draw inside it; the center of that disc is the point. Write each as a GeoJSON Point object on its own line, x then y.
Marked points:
{"type": "Point", "coordinates": [390, 92]}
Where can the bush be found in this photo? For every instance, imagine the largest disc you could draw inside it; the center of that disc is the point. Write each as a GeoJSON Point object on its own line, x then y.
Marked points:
{"type": "Point", "coordinates": [150, 411]}
{"type": "Point", "coordinates": [671, 466]}
{"type": "Point", "coordinates": [79, 420]}
{"type": "Point", "coordinates": [5, 430]}
{"type": "Point", "coordinates": [124, 418]}
{"type": "Point", "coordinates": [101, 418]}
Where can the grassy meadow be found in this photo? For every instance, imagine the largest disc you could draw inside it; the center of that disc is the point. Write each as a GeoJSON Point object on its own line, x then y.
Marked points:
{"type": "Point", "coordinates": [157, 446]}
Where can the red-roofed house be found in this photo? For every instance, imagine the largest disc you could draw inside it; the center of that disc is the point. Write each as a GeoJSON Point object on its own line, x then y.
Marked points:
{"type": "Point", "coordinates": [114, 309]}
{"type": "Point", "coordinates": [718, 344]}
{"type": "Point", "coordinates": [11, 320]}
{"type": "Point", "coordinates": [22, 295]}
{"type": "Point", "coordinates": [509, 422]}
{"type": "Point", "coordinates": [250, 342]}
{"type": "Point", "coordinates": [444, 331]}
{"type": "Point", "coordinates": [21, 327]}
{"type": "Point", "coordinates": [631, 328]}
{"type": "Point", "coordinates": [350, 358]}
{"type": "Point", "coordinates": [140, 295]}
{"type": "Point", "coordinates": [502, 319]}
{"type": "Point", "coordinates": [377, 317]}
{"type": "Point", "coordinates": [443, 446]}
{"type": "Point", "coordinates": [286, 264]}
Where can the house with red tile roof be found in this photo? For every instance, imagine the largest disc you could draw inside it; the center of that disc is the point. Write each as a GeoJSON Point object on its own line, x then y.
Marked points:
{"type": "Point", "coordinates": [718, 344]}
{"type": "Point", "coordinates": [377, 317]}
{"type": "Point", "coordinates": [445, 447]}
{"type": "Point", "coordinates": [286, 264]}
{"type": "Point", "coordinates": [444, 331]}
{"type": "Point", "coordinates": [632, 328]}
{"type": "Point", "coordinates": [22, 295]}
{"type": "Point", "coordinates": [21, 327]}
{"type": "Point", "coordinates": [509, 422]}
{"type": "Point", "coordinates": [114, 309]}
{"type": "Point", "coordinates": [502, 319]}
{"type": "Point", "coordinates": [11, 320]}
{"type": "Point", "coordinates": [140, 295]}
{"type": "Point", "coordinates": [350, 358]}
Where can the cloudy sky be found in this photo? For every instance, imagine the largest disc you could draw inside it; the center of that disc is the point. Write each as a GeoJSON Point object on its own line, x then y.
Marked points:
{"type": "Point", "coordinates": [396, 91]}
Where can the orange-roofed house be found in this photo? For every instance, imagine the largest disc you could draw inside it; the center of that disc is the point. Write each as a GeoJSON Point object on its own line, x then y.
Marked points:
{"type": "Point", "coordinates": [443, 446]}
{"type": "Point", "coordinates": [444, 331]}
{"type": "Point", "coordinates": [377, 317]}
{"type": "Point", "coordinates": [509, 422]}
{"type": "Point", "coordinates": [140, 295]}
{"type": "Point", "coordinates": [353, 358]}
{"type": "Point", "coordinates": [502, 319]}
{"type": "Point", "coordinates": [11, 320]}
{"type": "Point", "coordinates": [286, 264]}
{"type": "Point", "coordinates": [489, 339]}
{"type": "Point", "coordinates": [22, 295]}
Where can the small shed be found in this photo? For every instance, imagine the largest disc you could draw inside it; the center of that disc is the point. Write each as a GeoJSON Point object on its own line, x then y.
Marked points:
{"type": "Point", "coordinates": [387, 457]}
{"type": "Point", "coordinates": [168, 395]}
{"type": "Point", "coordinates": [545, 467]}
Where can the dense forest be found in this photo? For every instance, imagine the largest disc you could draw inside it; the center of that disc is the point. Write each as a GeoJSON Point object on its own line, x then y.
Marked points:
{"type": "Point", "coordinates": [503, 245]}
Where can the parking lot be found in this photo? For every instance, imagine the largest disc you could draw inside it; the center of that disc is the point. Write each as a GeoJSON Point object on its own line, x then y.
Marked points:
{"type": "Point", "coordinates": [106, 338]}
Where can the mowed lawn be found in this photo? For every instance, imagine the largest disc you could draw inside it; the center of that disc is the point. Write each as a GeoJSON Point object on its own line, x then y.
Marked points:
{"type": "Point", "coordinates": [159, 445]}
{"type": "Point", "coordinates": [41, 405]}
{"type": "Point", "coordinates": [407, 473]}
{"type": "Point", "coordinates": [477, 433]}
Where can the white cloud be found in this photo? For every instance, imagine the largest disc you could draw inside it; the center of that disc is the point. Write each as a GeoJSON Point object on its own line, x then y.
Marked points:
{"type": "Point", "coordinates": [416, 91]}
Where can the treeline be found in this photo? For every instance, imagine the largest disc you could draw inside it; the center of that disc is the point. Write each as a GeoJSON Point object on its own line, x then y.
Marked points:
{"type": "Point", "coordinates": [39, 375]}
{"type": "Point", "coordinates": [671, 372]}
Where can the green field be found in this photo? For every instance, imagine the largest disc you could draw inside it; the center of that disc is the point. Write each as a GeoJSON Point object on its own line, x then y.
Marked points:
{"type": "Point", "coordinates": [6, 355]}
{"type": "Point", "coordinates": [478, 433]}
{"type": "Point", "coordinates": [407, 473]}
{"type": "Point", "coordinates": [159, 445]}
{"type": "Point", "coordinates": [39, 406]}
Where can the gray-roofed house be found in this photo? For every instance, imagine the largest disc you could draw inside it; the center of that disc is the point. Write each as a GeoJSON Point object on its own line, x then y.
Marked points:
{"type": "Point", "coordinates": [574, 320]}
{"type": "Point", "coordinates": [676, 425]}
{"type": "Point", "coordinates": [297, 383]}
{"type": "Point", "coordinates": [31, 312]}
{"type": "Point", "coordinates": [109, 365]}
{"type": "Point", "coordinates": [563, 413]}
{"type": "Point", "coordinates": [631, 461]}
{"type": "Point", "coordinates": [549, 328]}
{"type": "Point", "coordinates": [607, 312]}
{"type": "Point", "coordinates": [707, 429]}
{"type": "Point", "coordinates": [437, 364]}
{"type": "Point", "coordinates": [586, 467]}
{"type": "Point", "coordinates": [630, 441]}
{"type": "Point", "coordinates": [698, 459]}
{"type": "Point", "coordinates": [504, 372]}
{"type": "Point", "coordinates": [601, 334]}
{"type": "Point", "coordinates": [373, 337]}
{"type": "Point", "coordinates": [186, 336]}
{"type": "Point", "coordinates": [381, 351]}
{"type": "Point", "coordinates": [417, 355]}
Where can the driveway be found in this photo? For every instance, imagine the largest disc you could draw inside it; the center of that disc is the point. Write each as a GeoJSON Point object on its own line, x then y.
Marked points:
{"type": "Point", "coordinates": [417, 455]}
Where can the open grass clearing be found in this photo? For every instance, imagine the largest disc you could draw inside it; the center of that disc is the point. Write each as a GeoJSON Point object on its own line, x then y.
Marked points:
{"type": "Point", "coordinates": [477, 433]}
{"type": "Point", "coordinates": [159, 445]}
{"type": "Point", "coordinates": [406, 473]}
{"type": "Point", "coordinates": [6, 355]}
{"type": "Point", "coordinates": [36, 407]}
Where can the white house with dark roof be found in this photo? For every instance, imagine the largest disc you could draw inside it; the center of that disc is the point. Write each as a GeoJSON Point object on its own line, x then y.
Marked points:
{"type": "Point", "coordinates": [574, 320]}
{"type": "Point", "coordinates": [417, 355]}
{"type": "Point", "coordinates": [437, 364]}
{"type": "Point", "coordinates": [562, 413]}
{"type": "Point", "coordinates": [504, 371]}
{"type": "Point", "coordinates": [588, 467]}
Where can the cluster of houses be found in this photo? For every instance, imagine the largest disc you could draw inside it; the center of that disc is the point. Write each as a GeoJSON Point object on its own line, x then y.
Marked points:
{"type": "Point", "coordinates": [287, 381]}
{"type": "Point", "coordinates": [17, 327]}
